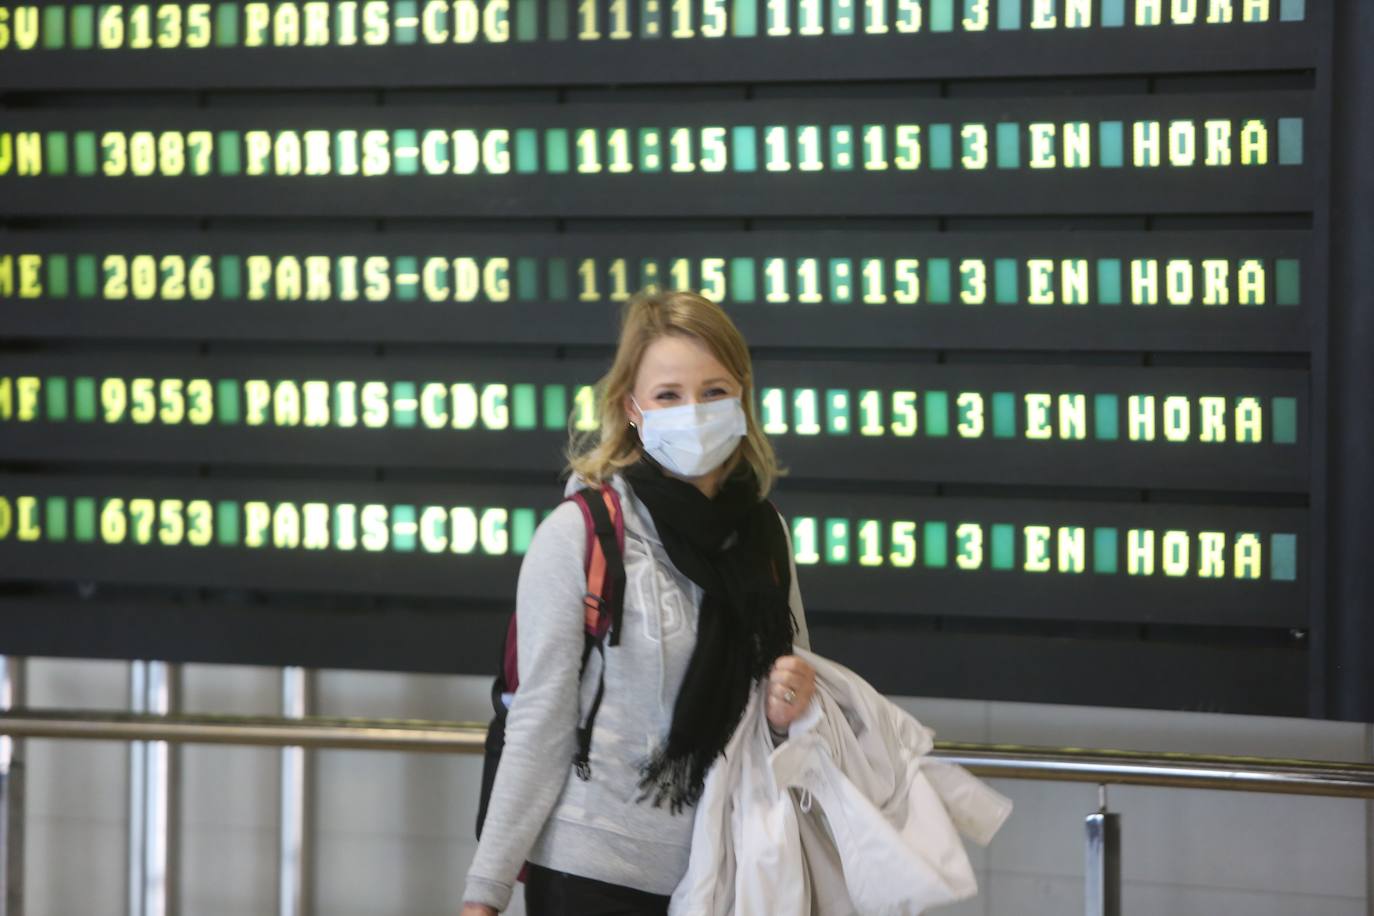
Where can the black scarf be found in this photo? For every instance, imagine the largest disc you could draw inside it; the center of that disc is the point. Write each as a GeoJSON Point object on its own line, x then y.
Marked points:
{"type": "Point", "coordinates": [734, 547]}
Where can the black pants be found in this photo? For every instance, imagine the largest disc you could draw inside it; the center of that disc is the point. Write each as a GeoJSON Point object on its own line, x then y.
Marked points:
{"type": "Point", "coordinates": [556, 893]}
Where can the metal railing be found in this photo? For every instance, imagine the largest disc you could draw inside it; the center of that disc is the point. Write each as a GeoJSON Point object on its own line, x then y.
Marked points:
{"type": "Point", "coordinates": [1005, 761]}
{"type": "Point", "coordinates": [1100, 767]}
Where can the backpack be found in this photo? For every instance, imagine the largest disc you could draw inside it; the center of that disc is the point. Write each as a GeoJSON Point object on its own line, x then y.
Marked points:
{"type": "Point", "coordinates": [603, 605]}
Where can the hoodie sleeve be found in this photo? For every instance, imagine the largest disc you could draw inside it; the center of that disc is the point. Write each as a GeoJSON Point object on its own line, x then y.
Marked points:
{"type": "Point", "coordinates": [542, 722]}
{"type": "Point", "coordinates": [794, 599]}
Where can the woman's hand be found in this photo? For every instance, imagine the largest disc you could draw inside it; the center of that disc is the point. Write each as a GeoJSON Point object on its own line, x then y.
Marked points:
{"type": "Point", "coordinates": [477, 909]}
{"type": "Point", "coordinates": [791, 684]}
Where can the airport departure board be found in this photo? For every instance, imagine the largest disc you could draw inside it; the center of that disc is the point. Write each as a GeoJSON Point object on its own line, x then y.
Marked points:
{"type": "Point", "coordinates": [302, 301]}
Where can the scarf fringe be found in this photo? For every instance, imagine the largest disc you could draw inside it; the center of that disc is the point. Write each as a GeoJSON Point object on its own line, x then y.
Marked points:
{"type": "Point", "coordinates": [679, 780]}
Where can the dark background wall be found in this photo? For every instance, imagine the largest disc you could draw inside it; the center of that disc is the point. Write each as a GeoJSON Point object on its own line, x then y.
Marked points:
{"type": "Point", "coordinates": [1058, 323]}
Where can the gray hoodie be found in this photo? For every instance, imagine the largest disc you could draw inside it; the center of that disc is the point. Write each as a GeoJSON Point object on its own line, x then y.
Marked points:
{"type": "Point", "coordinates": [540, 810]}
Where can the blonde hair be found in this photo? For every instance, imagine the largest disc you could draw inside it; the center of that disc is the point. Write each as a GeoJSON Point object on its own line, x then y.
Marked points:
{"type": "Point", "coordinates": [595, 455]}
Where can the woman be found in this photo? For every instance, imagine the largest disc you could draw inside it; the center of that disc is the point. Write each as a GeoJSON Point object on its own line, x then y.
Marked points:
{"type": "Point", "coordinates": [711, 606]}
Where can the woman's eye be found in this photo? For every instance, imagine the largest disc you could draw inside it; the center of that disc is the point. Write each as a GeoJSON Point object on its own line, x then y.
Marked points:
{"type": "Point", "coordinates": [665, 396]}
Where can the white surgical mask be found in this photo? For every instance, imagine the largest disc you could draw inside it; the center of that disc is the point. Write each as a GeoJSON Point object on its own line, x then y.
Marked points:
{"type": "Point", "coordinates": [692, 440]}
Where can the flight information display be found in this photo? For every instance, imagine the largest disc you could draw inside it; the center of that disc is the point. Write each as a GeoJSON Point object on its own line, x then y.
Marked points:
{"type": "Point", "coordinates": [773, 157]}
{"type": "Point", "coordinates": [1161, 563]}
{"type": "Point", "coordinates": [1215, 142]}
{"type": "Point", "coordinates": [549, 42]}
{"type": "Point", "coordinates": [1105, 426]}
{"type": "Point", "coordinates": [1162, 290]}
{"type": "Point", "coordinates": [301, 303]}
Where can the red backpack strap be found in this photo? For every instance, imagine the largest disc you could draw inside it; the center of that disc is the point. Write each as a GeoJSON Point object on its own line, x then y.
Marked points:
{"type": "Point", "coordinates": [604, 562]}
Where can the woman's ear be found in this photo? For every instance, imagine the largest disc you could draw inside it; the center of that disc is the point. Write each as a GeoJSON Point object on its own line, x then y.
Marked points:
{"type": "Point", "coordinates": [631, 412]}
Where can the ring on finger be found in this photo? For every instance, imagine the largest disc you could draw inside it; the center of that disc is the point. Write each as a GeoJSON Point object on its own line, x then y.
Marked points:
{"type": "Point", "coordinates": [789, 696]}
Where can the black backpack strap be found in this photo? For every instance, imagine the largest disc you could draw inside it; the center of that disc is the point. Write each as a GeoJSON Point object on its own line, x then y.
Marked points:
{"type": "Point", "coordinates": [582, 759]}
